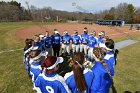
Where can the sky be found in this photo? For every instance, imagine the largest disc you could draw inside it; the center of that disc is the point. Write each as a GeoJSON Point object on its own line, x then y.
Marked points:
{"type": "Point", "coordinates": [77, 5]}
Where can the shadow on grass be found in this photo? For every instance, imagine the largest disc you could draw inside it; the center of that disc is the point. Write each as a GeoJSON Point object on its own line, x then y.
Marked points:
{"type": "Point", "coordinates": [113, 89]}
{"type": "Point", "coordinates": [131, 92]}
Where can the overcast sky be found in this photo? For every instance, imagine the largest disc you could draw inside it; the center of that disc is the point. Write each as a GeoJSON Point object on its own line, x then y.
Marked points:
{"type": "Point", "coordinates": [79, 5]}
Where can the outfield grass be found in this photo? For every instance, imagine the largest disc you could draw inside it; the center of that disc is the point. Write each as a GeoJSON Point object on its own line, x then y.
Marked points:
{"type": "Point", "coordinates": [13, 78]}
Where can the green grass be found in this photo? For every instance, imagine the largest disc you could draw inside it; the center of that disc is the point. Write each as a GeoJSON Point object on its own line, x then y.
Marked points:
{"type": "Point", "coordinates": [13, 78]}
{"type": "Point", "coordinates": [127, 77]}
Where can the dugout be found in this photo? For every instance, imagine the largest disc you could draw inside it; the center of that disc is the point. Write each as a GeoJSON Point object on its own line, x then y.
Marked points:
{"type": "Point", "coordinates": [138, 27]}
{"type": "Point", "coordinates": [111, 22]}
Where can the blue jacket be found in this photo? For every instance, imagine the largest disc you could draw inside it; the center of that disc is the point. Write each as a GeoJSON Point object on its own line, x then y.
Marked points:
{"type": "Point", "coordinates": [35, 70]}
{"type": "Point", "coordinates": [66, 39]}
{"type": "Point", "coordinates": [109, 59]}
{"type": "Point", "coordinates": [88, 75]}
{"type": "Point", "coordinates": [102, 81]}
{"type": "Point", "coordinates": [51, 83]}
{"type": "Point", "coordinates": [84, 38]}
{"type": "Point", "coordinates": [75, 39]}
{"type": "Point", "coordinates": [56, 39]}
{"type": "Point", "coordinates": [48, 42]}
{"type": "Point", "coordinates": [92, 42]}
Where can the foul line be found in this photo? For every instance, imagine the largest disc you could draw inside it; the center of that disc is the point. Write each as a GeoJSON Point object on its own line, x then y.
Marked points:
{"type": "Point", "coordinates": [10, 50]}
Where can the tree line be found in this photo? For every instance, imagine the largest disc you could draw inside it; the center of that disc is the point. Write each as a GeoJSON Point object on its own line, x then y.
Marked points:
{"type": "Point", "coordinates": [123, 11]}
{"type": "Point", "coordinates": [13, 11]}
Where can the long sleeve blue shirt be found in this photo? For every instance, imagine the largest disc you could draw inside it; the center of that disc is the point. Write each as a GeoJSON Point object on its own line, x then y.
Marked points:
{"type": "Point", "coordinates": [102, 81]}
{"type": "Point", "coordinates": [56, 39]}
{"type": "Point", "coordinates": [35, 70]}
{"type": "Point", "coordinates": [109, 59]}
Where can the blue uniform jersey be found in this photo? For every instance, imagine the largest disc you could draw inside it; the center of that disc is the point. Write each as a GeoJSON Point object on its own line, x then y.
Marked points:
{"type": "Point", "coordinates": [75, 39]}
{"type": "Point", "coordinates": [66, 39]}
{"type": "Point", "coordinates": [51, 83]}
{"type": "Point", "coordinates": [84, 38]}
{"type": "Point", "coordinates": [39, 44]}
{"type": "Point", "coordinates": [92, 42]}
{"type": "Point", "coordinates": [88, 75]}
{"type": "Point", "coordinates": [102, 81]}
{"type": "Point", "coordinates": [48, 42]}
{"type": "Point", "coordinates": [56, 39]}
{"type": "Point", "coordinates": [35, 70]}
{"type": "Point", "coordinates": [109, 59]}
{"type": "Point", "coordinates": [100, 40]}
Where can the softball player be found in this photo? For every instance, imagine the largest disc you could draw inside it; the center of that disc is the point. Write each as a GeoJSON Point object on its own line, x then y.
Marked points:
{"type": "Point", "coordinates": [56, 38]}
{"type": "Point", "coordinates": [42, 37]}
{"type": "Point", "coordinates": [94, 35]}
{"type": "Point", "coordinates": [49, 81]}
{"type": "Point", "coordinates": [80, 79]}
{"type": "Point", "coordinates": [115, 51]}
{"type": "Point", "coordinates": [35, 61]}
{"type": "Point", "coordinates": [37, 41]}
{"type": "Point", "coordinates": [75, 42]}
{"type": "Point", "coordinates": [66, 43]}
{"type": "Point", "coordinates": [48, 44]}
{"type": "Point", "coordinates": [102, 44]}
{"type": "Point", "coordinates": [103, 34]}
{"type": "Point", "coordinates": [100, 39]}
{"type": "Point", "coordinates": [109, 58]}
{"type": "Point", "coordinates": [91, 44]}
{"type": "Point", "coordinates": [84, 41]}
{"type": "Point", "coordinates": [27, 50]}
{"type": "Point", "coordinates": [102, 80]}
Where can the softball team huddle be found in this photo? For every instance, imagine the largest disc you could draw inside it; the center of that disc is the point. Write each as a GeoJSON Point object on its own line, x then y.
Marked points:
{"type": "Point", "coordinates": [92, 61]}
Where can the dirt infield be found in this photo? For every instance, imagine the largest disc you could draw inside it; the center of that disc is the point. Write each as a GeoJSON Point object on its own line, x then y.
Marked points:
{"type": "Point", "coordinates": [110, 31]}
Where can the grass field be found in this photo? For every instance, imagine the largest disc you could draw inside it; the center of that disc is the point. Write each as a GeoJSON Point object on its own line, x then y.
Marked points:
{"type": "Point", "coordinates": [13, 78]}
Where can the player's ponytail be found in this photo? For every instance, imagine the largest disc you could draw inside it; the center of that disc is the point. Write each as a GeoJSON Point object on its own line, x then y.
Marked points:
{"type": "Point", "coordinates": [78, 59]}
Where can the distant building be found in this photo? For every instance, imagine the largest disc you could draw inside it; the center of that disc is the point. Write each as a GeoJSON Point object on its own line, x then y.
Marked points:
{"type": "Point", "coordinates": [111, 22]}
{"type": "Point", "coordinates": [138, 27]}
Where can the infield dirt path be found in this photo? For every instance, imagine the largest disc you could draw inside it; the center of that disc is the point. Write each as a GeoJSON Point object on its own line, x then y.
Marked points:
{"type": "Point", "coordinates": [110, 31]}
